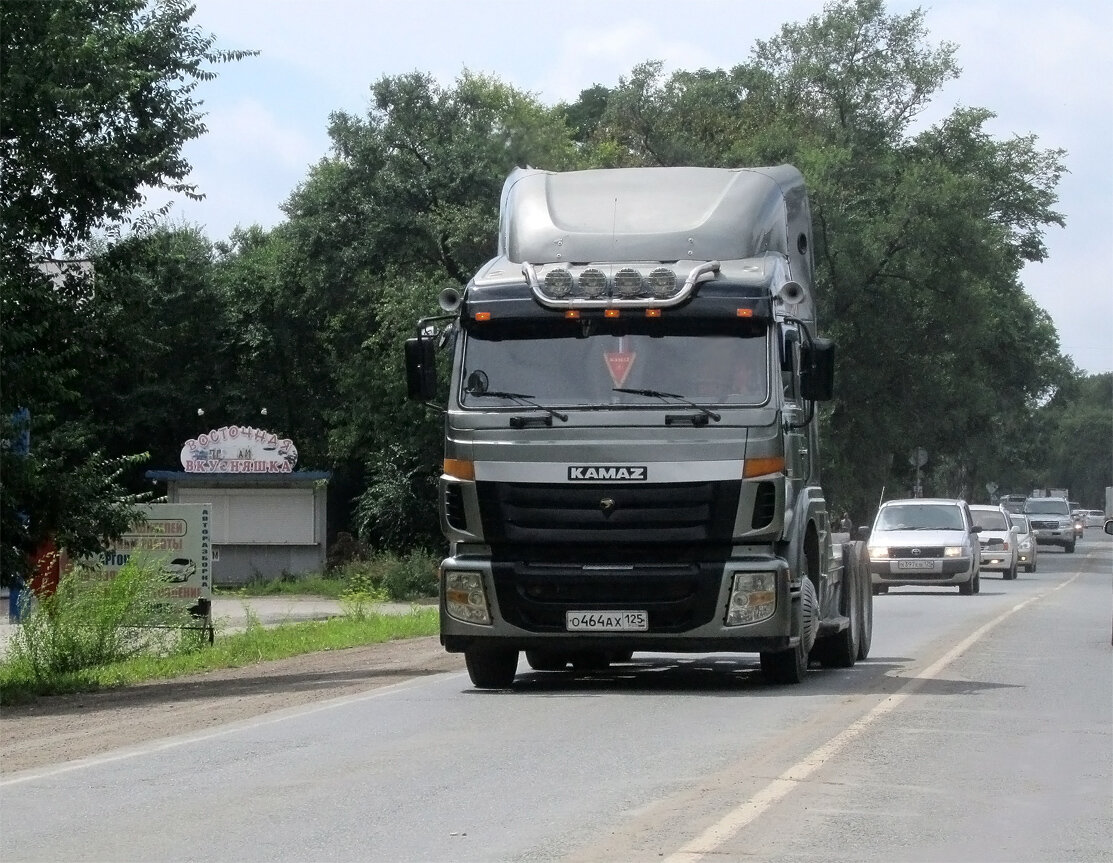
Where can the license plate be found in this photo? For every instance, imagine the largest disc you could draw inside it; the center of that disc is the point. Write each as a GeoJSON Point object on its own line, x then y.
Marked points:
{"type": "Point", "coordinates": [606, 621]}
{"type": "Point", "coordinates": [915, 564]}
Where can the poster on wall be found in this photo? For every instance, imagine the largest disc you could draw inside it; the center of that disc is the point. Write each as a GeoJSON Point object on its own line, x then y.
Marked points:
{"type": "Point", "coordinates": [239, 449]}
{"type": "Point", "coordinates": [179, 537]}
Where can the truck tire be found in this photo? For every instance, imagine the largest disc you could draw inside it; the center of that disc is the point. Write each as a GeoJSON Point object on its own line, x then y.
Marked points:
{"type": "Point", "coordinates": [491, 667]}
{"type": "Point", "coordinates": [841, 649]}
{"type": "Point", "coordinates": [865, 616]}
{"type": "Point", "coordinates": [790, 666]}
{"type": "Point", "coordinates": [785, 666]}
{"type": "Point", "coordinates": [546, 660]}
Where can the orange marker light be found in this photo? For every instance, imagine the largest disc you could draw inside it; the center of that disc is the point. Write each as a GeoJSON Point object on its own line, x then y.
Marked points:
{"type": "Point", "coordinates": [459, 468]}
{"type": "Point", "coordinates": [483, 316]}
{"type": "Point", "coordinates": [745, 313]}
{"type": "Point", "coordinates": [572, 314]}
{"type": "Point", "coordinates": [653, 313]}
{"type": "Point", "coordinates": [610, 313]}
{"type": "Point", "coordinates": [761, 466]}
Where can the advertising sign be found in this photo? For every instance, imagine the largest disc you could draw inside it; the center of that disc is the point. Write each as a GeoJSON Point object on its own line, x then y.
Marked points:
{"type": "Point", "coordinates": [179, 537]}
{"type": "Point", "coordinates": [239, 449]}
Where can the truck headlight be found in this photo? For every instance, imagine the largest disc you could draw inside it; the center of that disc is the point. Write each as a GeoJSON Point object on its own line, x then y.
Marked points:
{"type": "Point", "coordinates": [465, 598]}
{"type": "Point", "coordinates": [953, 551]}
{"type": "Point", "coordinates": [878, 552]}
{"type": "Point", "coordinates": [753, 597]}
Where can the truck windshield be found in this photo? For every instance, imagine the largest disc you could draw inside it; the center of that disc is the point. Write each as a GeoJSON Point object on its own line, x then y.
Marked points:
{"type": "Point", "coordinates": [728, 367]}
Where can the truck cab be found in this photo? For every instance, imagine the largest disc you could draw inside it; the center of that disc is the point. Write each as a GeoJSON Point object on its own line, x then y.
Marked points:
{"type": "Point", "coordinates": [631, 449]}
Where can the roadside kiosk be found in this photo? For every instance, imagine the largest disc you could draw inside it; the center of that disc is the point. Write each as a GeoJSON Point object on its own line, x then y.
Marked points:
{"type": "Point", "coordinates": [268, 520]}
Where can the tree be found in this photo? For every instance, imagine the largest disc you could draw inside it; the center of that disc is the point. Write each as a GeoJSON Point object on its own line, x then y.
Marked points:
{"type": "Point", "coordinates": [96, 102]}
{"type": "Point", "coordinates": [919, 236]}
{"type": "Point", "coordinates": [406, 204]}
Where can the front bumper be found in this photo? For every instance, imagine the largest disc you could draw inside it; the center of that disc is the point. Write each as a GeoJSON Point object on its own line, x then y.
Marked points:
{"type": "Point", "coordinates": [525, 618]}
{"type": "Point", "coordinates": [945, 571]}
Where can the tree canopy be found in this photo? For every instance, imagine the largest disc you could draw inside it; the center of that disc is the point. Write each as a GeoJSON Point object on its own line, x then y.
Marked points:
{"type": "Point", "coordinates": [96, 101]}
{"type": "Point", "coordinates": [921, 233]}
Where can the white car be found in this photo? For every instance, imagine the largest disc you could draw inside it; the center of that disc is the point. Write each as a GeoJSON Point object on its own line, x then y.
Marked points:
{"type": "Point", "coordinates": [925, 541]}
{"type": "Point", "coordinates": [1095, 518]}
{"type": "Point", "coordinates": [1027, 549]}
{"type": "Point", "coordinates": [997, 538]}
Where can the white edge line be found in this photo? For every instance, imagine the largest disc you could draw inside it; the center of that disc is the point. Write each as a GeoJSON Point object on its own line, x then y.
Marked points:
{"type": "Point", "coordinates": [711, 839]}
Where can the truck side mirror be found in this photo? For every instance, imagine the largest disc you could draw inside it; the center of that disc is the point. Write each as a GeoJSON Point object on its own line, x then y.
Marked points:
{"type": "Point", "coordinates": [421, 368]}
{"type": "Point", "coordinates": [817, 373]}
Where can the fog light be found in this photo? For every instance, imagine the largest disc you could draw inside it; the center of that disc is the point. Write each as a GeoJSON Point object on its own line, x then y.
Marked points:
{"type": "Point", "coordinates": [753, 597]}
{"type": "Point", "coordinates": [464, 597]}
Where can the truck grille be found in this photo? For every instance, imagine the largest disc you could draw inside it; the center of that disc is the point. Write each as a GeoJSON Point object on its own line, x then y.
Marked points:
{"type": "Point", "coordinates": [677, 597]}
{"type": "Point", "coordinates": [662, 513]}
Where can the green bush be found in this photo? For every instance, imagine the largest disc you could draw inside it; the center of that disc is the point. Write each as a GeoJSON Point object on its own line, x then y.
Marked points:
{"type": "Point", "coordinates": [93, 620]}
{"type": "Point", "coordinates": [390, 577]}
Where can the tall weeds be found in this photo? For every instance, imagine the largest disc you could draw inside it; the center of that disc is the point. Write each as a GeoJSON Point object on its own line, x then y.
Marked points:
{"type": "Point", "coordinates": [92, 620]}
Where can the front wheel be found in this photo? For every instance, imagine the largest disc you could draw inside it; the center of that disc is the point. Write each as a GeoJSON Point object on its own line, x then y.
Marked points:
{"type": "Point", "coordinates": [491, 667]}
{"type": "Point", "coordinates": [785, 666]}
{"type": "Point", "coordinates": [1069, 549]}
{"type": "Point", "coordinates": [967, 587]}
{"type": "Point", "coordinates": [1011, 574]}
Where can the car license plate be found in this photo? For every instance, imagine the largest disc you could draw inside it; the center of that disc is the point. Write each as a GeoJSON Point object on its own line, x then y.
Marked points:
{"type": "Point", "coordinates": [606, 621]}
{"type": "Point", "coordinates": [915, 564]}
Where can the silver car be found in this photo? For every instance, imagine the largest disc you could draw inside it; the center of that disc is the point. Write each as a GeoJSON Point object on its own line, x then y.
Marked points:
{"type": "Point", "coordinates": [997, 538]}
{"type": "Point", "coordinates": [1027, 549]}
{"type": "Point", "coordinates": [925, 541]}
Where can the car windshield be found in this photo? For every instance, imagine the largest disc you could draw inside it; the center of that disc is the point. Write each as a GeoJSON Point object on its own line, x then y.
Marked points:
{"type": "Point", "coordinates": [583, 367]}
{"type": "Point", "coordinates": [920, 516]}
{"type": "Point", "coordinates": [990, 519]}
{"type": "Point", "coordinates": [1047, 507]}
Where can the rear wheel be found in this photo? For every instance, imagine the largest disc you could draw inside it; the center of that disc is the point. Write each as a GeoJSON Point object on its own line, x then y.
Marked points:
{"type": "Point", "coordinates": [491, 667]}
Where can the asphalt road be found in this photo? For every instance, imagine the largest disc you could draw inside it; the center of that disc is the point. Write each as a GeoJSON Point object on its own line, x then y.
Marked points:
{"type": "Point", "coordinates": [980, 729]}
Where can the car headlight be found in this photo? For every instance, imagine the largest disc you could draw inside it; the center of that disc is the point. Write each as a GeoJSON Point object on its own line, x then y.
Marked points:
{"type": "Point", "coordinates": [753, 597]}
{"type": "Point", "coordinates": [878, 552]}
{"type": "Point", "coordinates": [465, 598]}
{"type": "Point", "coordinates": [1025, 545]}
{"type": "Point", "coordinates": [953, 551]}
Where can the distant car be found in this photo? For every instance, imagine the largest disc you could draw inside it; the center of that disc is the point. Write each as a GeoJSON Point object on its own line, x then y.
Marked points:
{"type": "Point", "coordinates": [1027, 549]}
{"type": "Point", "coordinates": [1095, 518]}
{"type": "Point", "coordinates": [924, 541]}
{"type": "Point", "coordinates": [1051, 521]}
{"type": "Point", "coordinates": [997, 539]}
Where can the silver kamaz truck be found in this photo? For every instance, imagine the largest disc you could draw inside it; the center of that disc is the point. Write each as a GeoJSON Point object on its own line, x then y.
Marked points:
{"type": "Point", "coordinates": [631, 459]}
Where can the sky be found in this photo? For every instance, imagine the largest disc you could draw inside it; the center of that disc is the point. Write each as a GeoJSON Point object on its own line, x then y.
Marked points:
{"type": "Point", "coordinates": [1043, 68]}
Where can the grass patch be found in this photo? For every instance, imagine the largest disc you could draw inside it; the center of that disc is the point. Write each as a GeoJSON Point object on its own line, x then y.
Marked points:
{"type": "Point", "coordinates": [381, 576]}
{"type": "Point", "coordinates": [18, 683]}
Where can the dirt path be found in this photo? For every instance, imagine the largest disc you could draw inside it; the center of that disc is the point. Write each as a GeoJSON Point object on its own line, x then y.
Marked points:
{"type": "Point", "coordinates": [62, 728]}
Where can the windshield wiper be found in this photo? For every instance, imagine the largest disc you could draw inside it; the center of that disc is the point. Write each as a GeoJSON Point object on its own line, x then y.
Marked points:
{"type": "Point", "coordinates": [657, 394]}
{"type": "Point", "coordinates": [524, 398]}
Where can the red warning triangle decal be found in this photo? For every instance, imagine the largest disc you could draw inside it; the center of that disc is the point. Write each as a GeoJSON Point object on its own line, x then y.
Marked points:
{"type": "Point", "coordinates": [619, 364]}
